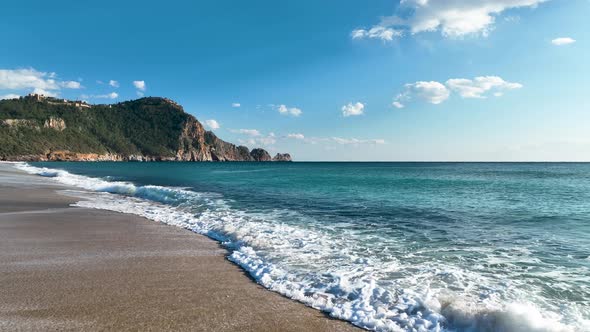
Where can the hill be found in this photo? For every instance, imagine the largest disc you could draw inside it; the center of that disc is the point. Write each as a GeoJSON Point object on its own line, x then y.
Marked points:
{"type": "Point", "coordinates": [37, 128]}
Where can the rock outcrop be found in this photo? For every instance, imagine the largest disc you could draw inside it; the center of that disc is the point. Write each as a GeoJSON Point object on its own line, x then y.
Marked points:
{"type": "Point", "coordinates": [260, 155]}
{"type": "Point", "coordinates": [55, 123]}
{"type": "Point", "coordinates": [22, 123]}
{"type": "Point", "coordinates": [284, 157]}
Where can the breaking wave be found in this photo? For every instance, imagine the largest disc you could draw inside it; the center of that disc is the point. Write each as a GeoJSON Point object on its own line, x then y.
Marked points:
{"type": "Point", "coordinates": [369, 281]}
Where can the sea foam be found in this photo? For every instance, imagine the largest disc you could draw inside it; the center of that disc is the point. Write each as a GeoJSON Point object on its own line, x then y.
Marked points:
{"type": "Point", "coordinates": [332, 271]}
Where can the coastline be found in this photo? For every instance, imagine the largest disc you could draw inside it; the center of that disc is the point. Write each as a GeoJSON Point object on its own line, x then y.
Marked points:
{"type": "Point", "coordinates": [72, 268]}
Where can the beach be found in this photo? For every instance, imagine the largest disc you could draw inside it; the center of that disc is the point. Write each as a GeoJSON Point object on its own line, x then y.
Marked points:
{"type": "Point", "coordinates": [72, 268]}
{"type": "Point", "coordinates": [288, 247]}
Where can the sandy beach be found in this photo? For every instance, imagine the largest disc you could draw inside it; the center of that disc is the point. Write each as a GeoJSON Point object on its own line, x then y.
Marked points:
{"type": "Point", "coordinates": [69, 268]}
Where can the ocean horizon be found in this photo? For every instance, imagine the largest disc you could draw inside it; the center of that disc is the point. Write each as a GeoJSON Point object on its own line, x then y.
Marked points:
{"type": "Point", "coordinates": [387, 246]}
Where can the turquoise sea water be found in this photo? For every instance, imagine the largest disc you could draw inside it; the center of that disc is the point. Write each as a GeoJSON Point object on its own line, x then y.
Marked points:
{"type": "Point", "coordinates": [386, 246]}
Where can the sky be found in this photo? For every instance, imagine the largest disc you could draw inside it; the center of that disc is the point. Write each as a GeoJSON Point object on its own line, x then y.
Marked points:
{"type": "Point", "coordinates": [345, 80]}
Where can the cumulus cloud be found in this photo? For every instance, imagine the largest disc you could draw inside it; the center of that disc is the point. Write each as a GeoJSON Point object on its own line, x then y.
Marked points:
{"type": "Point", "coordinates": [353, 109]}
{"type": "Point", "coordinates": [296, 136]}
{"type": "Point", "coordinates": [267, 140]}
{"type": "Point", "coordinates": [477, 87]}
{"type": "Point", "coordinates": [248, 132]}
{"type": "Point", "coordinates": [376, 32]}
{"type": "Point", "coordinates": [115, 84]}
{"type": "Point", "coordinates": [236, 105]}
{"type": "Point", "coordinates": [112, 95]}
{"type": "Point", "coordinates": [71, 85]}
{"type": "Point", "coordinates": [563, 41]}
{"type": "Point", "coordinates": [432, 92]}
{"type": "Point", "coordinates": [455, 18]}
{"type": "Point", "coordinates": [139, 85]}
{"type": "Point", "coordinates": [212, 124]}
{"type": "Point", "coordinates": [293, 111]}
{"type": "Point", "coordinates": [435, 92]}
{"type": "Point", "coordinates": [15, 79]}
{"type": "Point", "coordinates": [31, 79]}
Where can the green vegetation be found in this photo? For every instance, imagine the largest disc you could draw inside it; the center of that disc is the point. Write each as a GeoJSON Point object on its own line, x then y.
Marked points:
{"type": "Point", "coordinates": [147, 126]}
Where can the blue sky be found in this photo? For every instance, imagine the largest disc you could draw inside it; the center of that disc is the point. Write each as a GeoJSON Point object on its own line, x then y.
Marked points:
{"type": "Point", "coordinates": [492, 80]}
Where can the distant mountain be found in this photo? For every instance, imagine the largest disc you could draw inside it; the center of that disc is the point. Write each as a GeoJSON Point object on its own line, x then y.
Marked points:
{"type": "Point", "coordinates": [37, 128]}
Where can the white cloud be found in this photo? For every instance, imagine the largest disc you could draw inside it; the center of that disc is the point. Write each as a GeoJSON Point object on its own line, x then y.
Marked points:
{"type": "Point", "coordinates": [71, 85]}
{"type": "Point", "coordinates": [353, 109]}
{"type": "Point", "coordinates": [236, 105]}
{"type": "Point", "coordinates": [112, 95]}
{"type": "Point", "coordinates": [477, 87]}
{"type": "Point", "coordinates": [355, 141]}
{"type": "Point", "coordinates": [563, 41]}
{"type": "Point", "coordinates": [44, 92]}
{"type": "Point", "coordinates": [376, 32]}
{"type": "Point", "coordinates": [512, 18]}
{"type": "Point", "coordinates": [115, 84]}
{"type": "Point", "coordinates": [39, 82]}
{"type": "Point", "coordinates": [456, 18]}
{"type": "Point", "coordinates": [212, 124]}
{"type": "Point", "coordinates": [268, 140]}
{"type": "Point", "coordinates": [436, 92]}
{"type": "Point", "coordinates": [432, 92]}
{"type": "Point", "coordinates": [265, 141]}
{"type": "Point", "coordinates": [249, 132]}
{"type": "Point", "coordinates": [294, 111]}
{"type": "Point", "coordinates": [344, 141]}
{"type": "Point", "coordinates": [16, 79]}
{"type": "Point", "coordinates": [296, 136]}
{"type": "Point", "coordinates": [139, 85]}
{"type": "Point", "coordinates": [9, 96]}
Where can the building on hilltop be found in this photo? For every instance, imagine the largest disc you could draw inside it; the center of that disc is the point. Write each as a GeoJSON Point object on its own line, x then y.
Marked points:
{"type": "Point", "coordinates": [35, 96]}
{"type": "Point", "coordinates": [78, 103]}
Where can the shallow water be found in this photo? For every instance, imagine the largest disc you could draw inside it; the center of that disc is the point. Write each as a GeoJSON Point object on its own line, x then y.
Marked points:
{"type": "Point", "coordinates": [387, 246]}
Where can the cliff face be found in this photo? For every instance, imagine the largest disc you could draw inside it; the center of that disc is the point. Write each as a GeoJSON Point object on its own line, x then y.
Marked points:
{"type": "Point", "coordinates": [282, 157]}
{"type": "Point", "coordinates": [191, 143]}
{"type": "Point", "coordinates": [224, 151]}
{"type": "Point", "coordinates": [147, 129]}
{"type": "Point", "coordinates": [260, 155]}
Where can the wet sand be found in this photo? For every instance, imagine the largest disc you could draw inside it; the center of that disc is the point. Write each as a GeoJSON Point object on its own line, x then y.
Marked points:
{"type": "Point", "coordinates": [69, 268]}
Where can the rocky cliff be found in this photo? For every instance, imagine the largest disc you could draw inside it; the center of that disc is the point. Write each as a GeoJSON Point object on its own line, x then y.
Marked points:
{"type": "Point", "coordinates": [260, 155]}
{"type": "Point", "coordinates": [223, 151]}
{"type": "Point", "coordinates": [147, 129]}
{"type": "Point", "coordinates": [282, 157]}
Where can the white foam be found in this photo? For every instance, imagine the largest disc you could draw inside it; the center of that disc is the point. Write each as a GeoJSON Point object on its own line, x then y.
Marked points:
{"type": "Point", "coordinates": [334, 270]}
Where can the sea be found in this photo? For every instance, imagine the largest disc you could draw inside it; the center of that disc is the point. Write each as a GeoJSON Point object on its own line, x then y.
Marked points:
{"type": "Point", "coordinates": [385, 246]}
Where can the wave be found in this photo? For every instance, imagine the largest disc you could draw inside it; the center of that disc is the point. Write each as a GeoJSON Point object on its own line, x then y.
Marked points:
{"type": "Point", "coordinates": [331, 269]}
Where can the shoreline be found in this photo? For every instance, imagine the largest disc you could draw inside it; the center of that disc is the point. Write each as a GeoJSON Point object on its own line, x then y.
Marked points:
{"type": "Point", "coordinates": [72, 268]}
